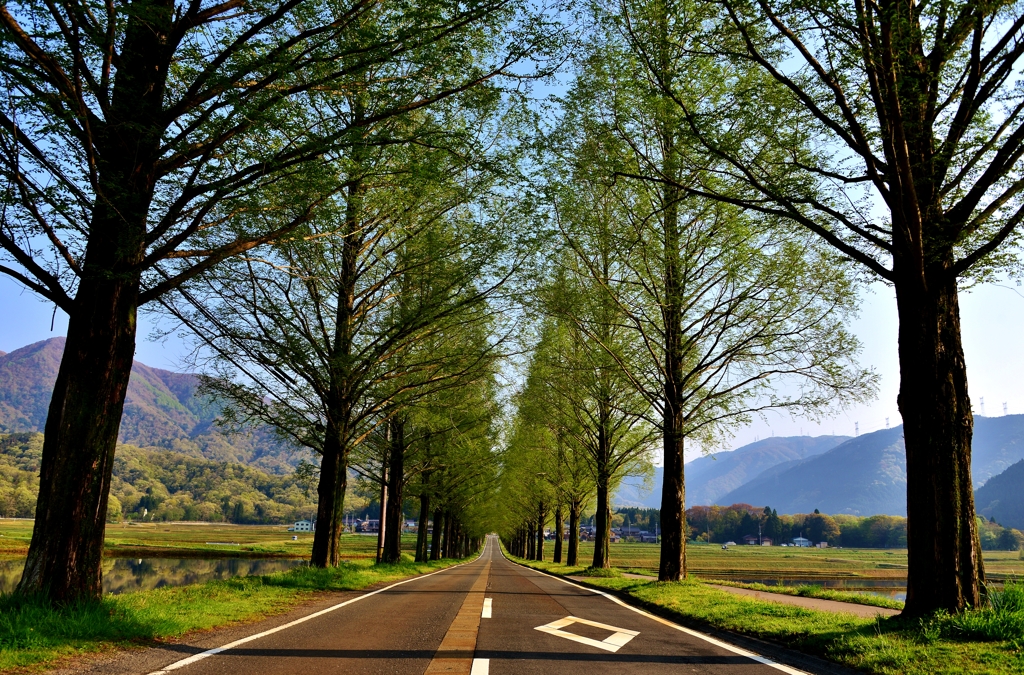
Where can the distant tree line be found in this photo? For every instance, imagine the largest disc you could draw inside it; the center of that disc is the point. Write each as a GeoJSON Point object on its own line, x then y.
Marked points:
{"type": "Point", "coordinates": [720, 524]}
{"type": "Point", "coordinates": [162, 486]}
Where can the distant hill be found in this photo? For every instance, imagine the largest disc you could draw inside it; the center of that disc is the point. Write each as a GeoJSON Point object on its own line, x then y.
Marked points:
{"type": "Point", "coordinates": [1002, 497]}
{"type": "Point", "coordinates": [161, 485]}
{"type": "Point", "coordinates": [867, 475]}
{"type": "Point", "coordinates": [708, 478]}
{"type": "Point", "coordinates": [161, 410]}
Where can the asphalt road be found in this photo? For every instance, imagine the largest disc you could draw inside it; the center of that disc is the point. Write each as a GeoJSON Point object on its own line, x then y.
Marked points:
{"type": "Point", "coordinates": [486, 617]}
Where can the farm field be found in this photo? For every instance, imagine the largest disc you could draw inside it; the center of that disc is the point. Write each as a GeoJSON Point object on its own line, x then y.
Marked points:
{"type": "Point", "coordinates": [777, 562]}
{"type": "Point", "coordinates": [203, 540]}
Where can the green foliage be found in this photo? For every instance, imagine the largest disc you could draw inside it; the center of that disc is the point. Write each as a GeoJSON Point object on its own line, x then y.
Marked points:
{"type": "Point", "coordinates": [166, 485]}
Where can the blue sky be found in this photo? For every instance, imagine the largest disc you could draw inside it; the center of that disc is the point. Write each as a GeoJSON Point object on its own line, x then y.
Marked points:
{"type": "Point", "coordinates": [992, 319]}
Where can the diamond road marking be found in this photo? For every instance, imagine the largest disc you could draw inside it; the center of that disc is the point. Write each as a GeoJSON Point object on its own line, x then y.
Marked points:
{"type": "Point", "coordinates": [618, 638]}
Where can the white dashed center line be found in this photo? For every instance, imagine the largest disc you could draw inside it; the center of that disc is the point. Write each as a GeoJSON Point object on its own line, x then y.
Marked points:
{"type": "Point", "coordinates": [486, 614]}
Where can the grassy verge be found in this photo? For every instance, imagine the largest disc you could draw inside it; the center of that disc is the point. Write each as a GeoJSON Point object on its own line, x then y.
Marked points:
{"type": "Point", "coordinates": [817, 592]}
{"type": "Point", "coordinates": [33, 634]}
{"type": "Point", "coordinates": [982, 642]}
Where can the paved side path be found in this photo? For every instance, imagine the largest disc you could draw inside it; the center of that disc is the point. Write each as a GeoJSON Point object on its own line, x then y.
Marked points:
{"type": "Point", "coordinates": [485, 617]}
{"type": "Point", "coordinates": [868, 611]}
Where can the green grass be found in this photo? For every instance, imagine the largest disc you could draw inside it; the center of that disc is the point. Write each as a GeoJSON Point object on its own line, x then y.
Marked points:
{"type": "Point", "coordinates": [33, 634]}
{"type": "Point", "coordinates": [982, 642]}
{"type": "Point", "coordinates": [817, 592]}
{"type": "Point", "coordinates": [206, 540]}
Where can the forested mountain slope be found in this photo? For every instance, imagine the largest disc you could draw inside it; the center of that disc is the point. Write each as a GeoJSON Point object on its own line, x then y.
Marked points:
{"type": "Point", "coordinates": [162, 410]}
{"type": "Point", "coordinates": [163, 485]}
{"type": "Point", "coordinates": [1002, 497]}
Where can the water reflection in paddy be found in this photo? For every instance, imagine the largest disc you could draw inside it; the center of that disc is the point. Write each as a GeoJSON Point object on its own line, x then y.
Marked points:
{"type": "Point", "coordinates": [139, 574]}
{"type": "Point", "coordinates": [887, 588]}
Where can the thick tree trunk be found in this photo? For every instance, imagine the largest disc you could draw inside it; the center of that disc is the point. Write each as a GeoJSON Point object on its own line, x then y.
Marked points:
{"type": "Point", "coordinates": [330, 510]}
{"type": "Point", "coordinates": [396, 483]}
{"type": "Point", "coordinates": [559, 528]}
{"type": "Point", "coordinates": [78, 449]}
{"type": "Point", "coordinates": [572, 556]}
{"type": "Point", "coordinates": [85, 409]}
{"type": "Point", "coordinates": [672, 566]}
{"type": "Point", "coordinates": [945, 569]}
{"type": "Point", "coordinates": [421, 527]}
{"type": "Point", "coordinates": [435, 540]}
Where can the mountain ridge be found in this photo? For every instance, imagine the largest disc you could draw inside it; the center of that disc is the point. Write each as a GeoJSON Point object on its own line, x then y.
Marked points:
{"type": "Point", "coordinates": [163, 410]}
{"type": "Point", "coordinates": [866, 475]}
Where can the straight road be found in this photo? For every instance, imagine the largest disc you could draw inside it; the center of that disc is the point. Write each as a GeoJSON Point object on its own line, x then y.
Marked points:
{"type": "Point", "coordinates": [486, 617]}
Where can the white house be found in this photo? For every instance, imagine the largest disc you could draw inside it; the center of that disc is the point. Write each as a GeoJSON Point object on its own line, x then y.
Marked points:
{"type": "Point", "coordinates": [302, 526]}
{"type": "Point", "coordinates": [800, 541]}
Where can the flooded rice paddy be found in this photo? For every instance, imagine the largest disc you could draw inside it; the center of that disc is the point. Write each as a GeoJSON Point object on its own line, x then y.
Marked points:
{"type": "Point", "coordinates": [895, 589]}
{"type": "Point", "coordinates": [121, 575]}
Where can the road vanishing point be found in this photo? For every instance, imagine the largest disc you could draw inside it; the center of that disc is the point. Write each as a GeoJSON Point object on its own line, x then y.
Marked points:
{"type": "Point", "coordinates": [486, 617]}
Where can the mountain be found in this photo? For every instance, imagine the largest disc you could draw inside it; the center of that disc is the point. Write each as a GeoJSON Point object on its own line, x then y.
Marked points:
{"type": "Point", "coordinates": [162, 485]}
{"type": "Point", "coordinates": [1001, 497]}
{"type": "Point", "coordinates": [161, 410]}
{"type": "Point", "coordinates": [867, 475]}
{"type": "Point", "coordinates": [710, 477]}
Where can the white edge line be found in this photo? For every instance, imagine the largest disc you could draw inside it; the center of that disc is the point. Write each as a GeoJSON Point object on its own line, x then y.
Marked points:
{"type": "Point", "coordinates": [707, 638]}
{"type": "Point", "coordinates": [231, 645]}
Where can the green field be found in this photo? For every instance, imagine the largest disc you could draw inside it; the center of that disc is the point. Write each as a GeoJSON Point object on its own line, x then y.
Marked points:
{"type": "Point", "coordinates": [182, 540]}
{"type": "Point", "coordinates": [777, 562]}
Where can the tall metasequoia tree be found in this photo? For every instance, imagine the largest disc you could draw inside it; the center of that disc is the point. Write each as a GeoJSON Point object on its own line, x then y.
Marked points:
{"type": "Point", "coordinates": [136, 151]}
{"type": "Point", "coordinates": [725, 306]}
{"type": "Point", "coordinates": [893, 131]}
{"type": "Point", "coordinates": [336, 330]}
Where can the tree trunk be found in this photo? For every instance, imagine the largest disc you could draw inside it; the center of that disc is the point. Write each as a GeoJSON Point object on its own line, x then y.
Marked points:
{"type": "Point", "coordinates": [945, 568]}
{"type": "Point", "coordinates": [446, 543]}
{"type": "Point", "coordinates": [383, 513]}
{"type": "Point", "coordinates": [603, 516]}
{"type": "Point", "coordinates": [531, 542]}
{"type": "Point", "coordinates": [572, 557]}
{"type": "Point", "coordinates": [78, 448]}
{"type": "Point", "coordinates": [672, 566]}
{"type": "Point", "coordinates": [421, 527]}
{"type": "Point", "coordinates": [330, 510]}
{"type": "Point", "coordinates": [602, 523]}
{"type": "Point", "coordinates": [559, 528]}
{"type": "Point", "coordinates": [435, 540]}
{"type": "Point", "coordinates": [333, 483]}
{"type": "Point", "coordinates": [85, 409]}
{"type": "Point", "coordinates": [396, 481]}
{"type": "Point", "coordinates": [541, 517]}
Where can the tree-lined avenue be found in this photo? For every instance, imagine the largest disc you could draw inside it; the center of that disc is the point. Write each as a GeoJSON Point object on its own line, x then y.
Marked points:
{"type": "Point", "coordinates": [439, 623]}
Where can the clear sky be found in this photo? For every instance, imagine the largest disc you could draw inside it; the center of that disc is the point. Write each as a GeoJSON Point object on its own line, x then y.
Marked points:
{"type": "Point", "coordinates": [992, 320]}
